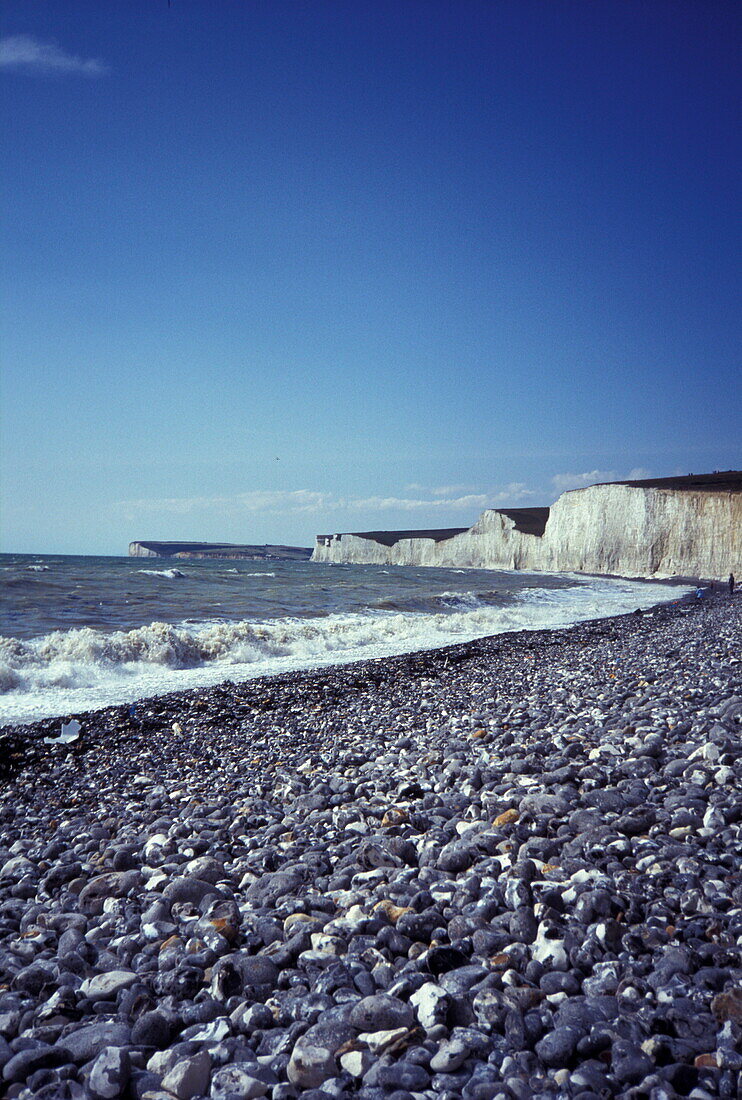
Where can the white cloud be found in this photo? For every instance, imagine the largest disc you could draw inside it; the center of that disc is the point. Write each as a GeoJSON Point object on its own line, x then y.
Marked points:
{"type": "Point", "coordinates": [312, 502]}
{"type": "Point", "coordinates": [287, 502]}
{"type": "Point", "coordinates": [517, 493]}
{"type": "Point", "coordinates": [407, 504]}
{"type": "Point", "coordinates": [563, 482]}
{"type": "Point", "coordinates": [449, 490]}
{"type": "Point", "coordinates": [281, 502]}
{"type": "Point", "coordinates": [31, 55]}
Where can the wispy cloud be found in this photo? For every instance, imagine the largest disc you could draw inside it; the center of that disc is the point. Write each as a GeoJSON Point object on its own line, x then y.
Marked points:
{"type": "Point", "coordinates": [32, 55]}
{"type": "Point", "coordinates": [564, 482]}
{"type": "Point", "coordinates": [313, 502]}
{"type": "Point", "coordinates": [516, 493]}
{"type": "Point", "coordinates": [450, 490]}
{"type": "Point", "coordinates": [412, 504]}
{"type": "Point", "coordinates": [281, 502]}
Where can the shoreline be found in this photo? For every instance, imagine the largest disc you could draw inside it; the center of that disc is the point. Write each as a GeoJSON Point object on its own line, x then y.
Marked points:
{"type": "Point", "coordinates": [120, 712]}
{"type": "Point", "coordinates": [49, 724]}
{"type": "Point", "coordinates": [503, 869]}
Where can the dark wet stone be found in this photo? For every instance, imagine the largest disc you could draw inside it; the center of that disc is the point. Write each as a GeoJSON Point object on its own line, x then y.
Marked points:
{"type": "Point", "coordinates": [402, 1075]}
{"type": "Point", "coordinates": [523, 925]}
{"type": "Point", "coordinates": [84, 1042]}
{"type": "Point", "coordinates": [109, 1074]}
{"type": "Point", "coordinates": [456, 857]}
{"type": "Point", "coordinates": [188, 889]}
{"type": "Point", "coordinates": [558, 1047]}
{"type": "Point", "coordinates": [440, 960]}
{"type": "Point", "coordinates": [629, 1064]}
{"type": "Point", "coordinates": [25, 1062]}
{"type": "Point", "coordinates": [381, 1013]}
{"type": "Point", "coordinates": [113, 884]}
{"type": "Point", "coordinates": [153, 1029]}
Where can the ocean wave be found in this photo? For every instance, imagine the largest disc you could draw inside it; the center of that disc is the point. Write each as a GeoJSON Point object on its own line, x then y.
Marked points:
{"type": "Point", "coordinates": [440, 602]}
{"type": "Point", "coordinates": [172, 574]}
{"type": "Point", "coordinates": [162, 656]}
{"type": "Point", "coordinates": [468, 599]}
{"type": "Point", "coordinates": [9, 678]}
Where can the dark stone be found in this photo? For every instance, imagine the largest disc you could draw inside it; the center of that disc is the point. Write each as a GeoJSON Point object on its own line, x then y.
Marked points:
{"type": "Point", "coordinates": [153, 1029]}
{"type": "Point", "coordinates": [381, 1013]}
{"type": "Point", "coordinates": [440, 960]}
{"type": "Point", "coordinates": [25, 1062]}
{"type": "Point", "coordinates": [629, 1063]}
{"type": "Point", "coordinates": [558, 1047]}
{"type": "Point", "coordinates": [83, 1043]}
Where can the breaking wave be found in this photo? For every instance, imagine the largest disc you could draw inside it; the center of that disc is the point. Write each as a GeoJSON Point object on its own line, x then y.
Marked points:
{"type": "Point", "coordinates": [73, 670]}
{"type": "Point", "coordinates": [170, 573]}
{"type": "Point", "coordinates": [441, 601]}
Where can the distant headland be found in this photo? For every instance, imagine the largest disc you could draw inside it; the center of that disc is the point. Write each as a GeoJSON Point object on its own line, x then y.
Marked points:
{"type": "Point", "coordinates": [150, 549]}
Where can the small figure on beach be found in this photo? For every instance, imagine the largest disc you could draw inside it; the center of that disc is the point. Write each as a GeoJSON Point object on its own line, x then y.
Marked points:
{"type": "Point", "coordinates": [731, 584]}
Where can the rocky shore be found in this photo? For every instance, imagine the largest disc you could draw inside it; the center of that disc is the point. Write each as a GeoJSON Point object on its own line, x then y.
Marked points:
{"type": "Point", "coordinates": [504, 870]}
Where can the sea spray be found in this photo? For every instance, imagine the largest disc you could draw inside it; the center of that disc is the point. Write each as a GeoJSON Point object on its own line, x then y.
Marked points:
{"type": "Point", "coordinates": [64, 671]}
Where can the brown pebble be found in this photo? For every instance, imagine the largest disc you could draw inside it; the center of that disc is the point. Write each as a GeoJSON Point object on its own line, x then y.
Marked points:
{"type": "Point", "coordinates": [728, 1006]}
{"type": "Point", "coordinates": [707, 1061]}
{"type": "Point", "coordinates": [395, 815]}
{"type": "Point", "coordinates": [392, 911]}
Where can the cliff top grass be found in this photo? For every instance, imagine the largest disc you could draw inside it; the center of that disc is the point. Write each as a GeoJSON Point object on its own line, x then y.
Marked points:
{"type": "Point", "coordinates": [170, 549]}
{"type": "Point", "coordinates": [388, 538]}
{"type": "Point", "coordinates": [720, 481]}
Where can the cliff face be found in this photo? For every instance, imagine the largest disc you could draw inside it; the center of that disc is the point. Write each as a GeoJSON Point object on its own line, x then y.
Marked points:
{"type": "Point", "coordinates": [646, 532]}
{"type": "Point", "coordinates": [217, 550]}
{"type": "Point", "coordinates": [139, 550]}
{"type": "Point", "coordinates": [623, 529]}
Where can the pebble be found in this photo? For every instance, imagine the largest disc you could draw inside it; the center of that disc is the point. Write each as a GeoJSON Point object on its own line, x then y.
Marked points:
{"type": "Point", "coordinates": [106, 987]}
{"type": "Point", "coordinates": [311, 1063]}
{"type": "Point", "coordinates": [109, 1074]}
{"type": "Point", "coordinates": [237, 1080]}
{"type": "Point", "coordinates": [505, 870]}
{"type": "Point", "coordinates": [450, 1056]}
{"type": "Point", "coordinates": [190, 1077]}
{"type": "Point", "coordinates": [381, 1012]}
{"type": "Point", "coordinates": [431, 1004]}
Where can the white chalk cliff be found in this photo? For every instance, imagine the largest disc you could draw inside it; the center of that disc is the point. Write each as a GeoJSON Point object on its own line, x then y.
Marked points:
{"type": "Point", "coordinates": [629, 530]}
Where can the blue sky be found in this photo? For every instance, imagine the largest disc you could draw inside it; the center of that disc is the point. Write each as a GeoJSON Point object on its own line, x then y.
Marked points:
{"type": "Point", "coordinates": [274, 269]}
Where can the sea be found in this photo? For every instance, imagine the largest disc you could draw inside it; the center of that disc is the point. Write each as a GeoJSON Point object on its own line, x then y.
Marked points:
{"type": "Point", "coordinates": [79, 633]}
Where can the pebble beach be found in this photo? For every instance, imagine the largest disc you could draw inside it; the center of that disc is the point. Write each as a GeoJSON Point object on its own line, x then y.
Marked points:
{"type": "Point", "coordinates": [506, 869]}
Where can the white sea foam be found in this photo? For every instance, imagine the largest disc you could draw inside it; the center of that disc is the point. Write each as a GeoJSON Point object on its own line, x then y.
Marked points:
{"type": "Point", "coordinates": [170, 573]}
{"type": "Point", "coordinates": [69, 671]}
{"type": "Point", "coordinates": [465, 599]}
